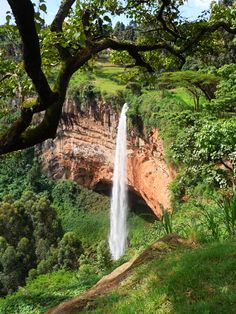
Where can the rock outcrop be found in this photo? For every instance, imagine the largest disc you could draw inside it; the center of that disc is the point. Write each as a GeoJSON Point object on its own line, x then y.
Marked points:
{"type": "Point", "coordinates": [84, 150]}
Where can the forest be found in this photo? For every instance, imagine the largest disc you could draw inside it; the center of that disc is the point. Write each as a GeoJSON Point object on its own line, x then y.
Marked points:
{"type": "Point", "coordinates": [178, 77]}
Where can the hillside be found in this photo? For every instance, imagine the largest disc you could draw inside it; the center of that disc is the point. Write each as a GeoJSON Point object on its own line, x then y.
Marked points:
{"type": "Point", "coordinates": [105, 76]}
{"type": "Point", "coordinates": [200, 280]}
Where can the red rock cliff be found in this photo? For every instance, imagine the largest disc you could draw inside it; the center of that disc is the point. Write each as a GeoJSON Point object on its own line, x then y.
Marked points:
{"type": "Point", "coordinates": [84, 150]}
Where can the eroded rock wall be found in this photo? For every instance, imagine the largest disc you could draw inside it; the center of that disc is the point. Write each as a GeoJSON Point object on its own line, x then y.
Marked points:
{"type": "Point", "coordinates": [84, 151]}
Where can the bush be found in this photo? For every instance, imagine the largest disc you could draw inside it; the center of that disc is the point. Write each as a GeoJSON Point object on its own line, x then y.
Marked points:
{"type": "Point", "coordinates": [103, 256]}
{"type": "Point", "coordinates": [69, 251]}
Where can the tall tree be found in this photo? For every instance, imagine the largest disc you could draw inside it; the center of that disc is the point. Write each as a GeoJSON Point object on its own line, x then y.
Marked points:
{"type": "Point", "coordinates": [77, 34]}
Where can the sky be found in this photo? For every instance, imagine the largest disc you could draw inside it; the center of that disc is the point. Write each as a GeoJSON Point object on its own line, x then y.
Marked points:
{"type": "Point", "coordinates": [190, 10]}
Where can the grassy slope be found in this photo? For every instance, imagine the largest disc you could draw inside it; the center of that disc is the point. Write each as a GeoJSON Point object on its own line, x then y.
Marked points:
{"type": "Point", "coordinates": [105, 76]}
{"type": "Point", "coordinates": [108, 78]}
{"type": "Point", "coordinates": [184, 281]}
{"type": "Point", "coordinates": [198, 281]}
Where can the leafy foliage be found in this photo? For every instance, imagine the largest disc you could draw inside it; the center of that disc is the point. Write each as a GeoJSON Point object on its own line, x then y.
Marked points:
{"type": "Point", "coordinates": [197, 83]}
{"type": "Point", "coordinates": [225, 101]}
{"type": "Point", "coordinates": [26, 225]}
{"type": "Point", "coordinates": [47, 291]}
{"type": "Point", "coordinates": [156, 39]}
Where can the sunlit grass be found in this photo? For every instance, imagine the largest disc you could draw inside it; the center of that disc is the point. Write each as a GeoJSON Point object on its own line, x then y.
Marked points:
{"type": "Point", "coordinates": [105, 76]}
{"type": "Point", "coordinates": [198, 281]}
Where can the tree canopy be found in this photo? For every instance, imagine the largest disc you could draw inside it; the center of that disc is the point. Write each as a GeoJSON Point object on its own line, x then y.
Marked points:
{"type": "Point", "coordinates": [80, 31]}
{"type": "Point", "coordinates": [196, 83]}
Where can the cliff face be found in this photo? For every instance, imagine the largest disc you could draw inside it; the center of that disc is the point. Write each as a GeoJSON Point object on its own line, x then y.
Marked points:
{"type": "Point", "coordinates": [84, 150]}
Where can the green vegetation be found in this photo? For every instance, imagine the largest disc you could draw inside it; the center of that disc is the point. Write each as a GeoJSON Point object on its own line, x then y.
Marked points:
{"type": "Point", "coordinates": [106, 77]}
{"type": "Point", "coordinates": [196, 83]}
{"type": "Point", "coordinates": [197, 281]}
{"type": "Point", "coordinates": [47, 291]}
{"type": "Point", "coordinates": [200, 143]}
{"type": "Point", "coordinates": [80, 33]}
{"type": "Point", "coordinates": [73, 254]}
{"type": "Point", "coordinates": [37, 221]}
{"type": "Point", "coordinates": [53, 234]}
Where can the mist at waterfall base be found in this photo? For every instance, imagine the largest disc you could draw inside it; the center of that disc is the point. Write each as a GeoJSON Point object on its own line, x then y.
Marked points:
{"type": "Point", "coordinates": [119, 205]}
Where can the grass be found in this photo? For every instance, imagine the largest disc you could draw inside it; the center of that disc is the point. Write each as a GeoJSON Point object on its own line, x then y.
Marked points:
{"type": "Point", "coordinates": [46, 291]}
{"type": "Point", "coordinates": [151, 96]}
{"type": "Point", "coordinates": [91, 227]}
{"type": "Point", "coordinates": [184, 95]}
{"type": "Point", "coordinates": [106, 77]}
{"type": "Point", "coordinates": [200, 281]}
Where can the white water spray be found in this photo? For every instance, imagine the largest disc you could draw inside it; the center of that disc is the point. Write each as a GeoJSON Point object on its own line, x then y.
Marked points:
{"type": "Point", "coordinates": [119, 205]}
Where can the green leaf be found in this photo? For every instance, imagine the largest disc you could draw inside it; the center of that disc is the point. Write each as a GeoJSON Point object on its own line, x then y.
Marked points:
{"type": "Point", "coordinates": [107, 19]}
{"type": "Point", "coordinates": [43, 7]}
{"type": "Point", "coordinates": [8, 18]}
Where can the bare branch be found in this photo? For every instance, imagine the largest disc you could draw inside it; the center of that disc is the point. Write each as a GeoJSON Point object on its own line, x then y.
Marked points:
{"type": "Point", "coordinates": [139, 61]}
{"type": "Point", "coordinates": [142, 48]}
{"type": "Point", "coordinates": [86, 26]}
{"type": "Point", "coordinates": [226, 165]}
{"type": "Point", "coordinates": [161, 19]}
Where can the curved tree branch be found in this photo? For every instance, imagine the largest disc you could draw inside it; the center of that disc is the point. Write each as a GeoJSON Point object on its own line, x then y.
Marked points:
{"type": "Point", "coordinates": [142, 48]}
{"type": "Point", "coordinates": [57, 23]}
{"type": "Point", "coordinates": [15, 138]}
{"type": "Point", "coordinates": [23, 11]}
{"type": "Point", "coordinates": [160, 18]}
{"type": "Point", "coordinates": [86, 26]}
{"type": "Point", "coordinates": [6, 76]}
{"type": "Point", "coordinates": [203, 31]}
{"type": "Point", "coordinates": [62, 13]}
{"type": "Point", "coordinates": [139, 61]}
{"type": "Point", "coordinates": [226, 165]}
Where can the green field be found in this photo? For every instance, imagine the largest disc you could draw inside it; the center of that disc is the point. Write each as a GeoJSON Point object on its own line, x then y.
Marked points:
{"type": "Point", "coordinates": [105, 76]}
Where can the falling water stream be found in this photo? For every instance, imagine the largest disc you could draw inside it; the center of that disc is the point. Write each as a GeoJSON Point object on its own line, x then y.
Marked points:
{"type": "Point", "coordinates": [119, 206]}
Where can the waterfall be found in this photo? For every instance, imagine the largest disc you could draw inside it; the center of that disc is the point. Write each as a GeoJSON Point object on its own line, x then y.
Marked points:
{"type": "Point", "coordinates": [118, 212]}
